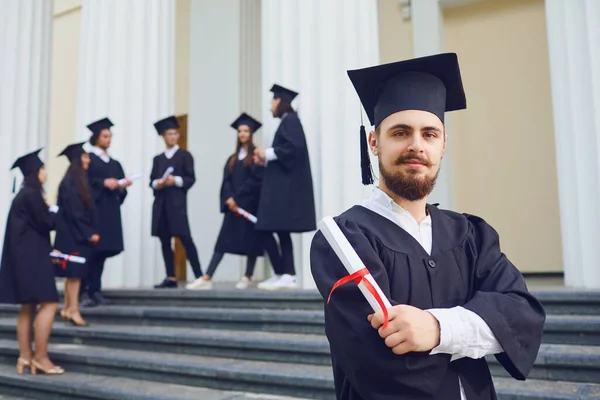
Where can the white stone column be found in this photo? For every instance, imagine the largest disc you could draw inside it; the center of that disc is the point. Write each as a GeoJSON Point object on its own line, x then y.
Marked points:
{"type": "Point", "coordinates": [428, 38]}
{"type": "Point", "coordinates": [25, 46]}
{"type": "Point", "coordinates": [126, 72]}
{"type": "Point", "coordinates": [307, 46]}
{"type": "Point", "coordinates": [574, 49]}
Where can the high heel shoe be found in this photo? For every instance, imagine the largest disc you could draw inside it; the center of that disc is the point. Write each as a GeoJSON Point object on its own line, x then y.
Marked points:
{"type": "Point", "coordinates": [22, 364]}
{"type": "Point", "coordinates": [64, 315]}
{"type": "Point", "coordinates": [35, 367]}
{"type": "Point", "coordinates": [81, 324]}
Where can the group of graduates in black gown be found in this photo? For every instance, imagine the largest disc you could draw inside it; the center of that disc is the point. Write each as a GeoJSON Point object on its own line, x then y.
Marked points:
{"type": "Point", "coordinates": [274, 185]}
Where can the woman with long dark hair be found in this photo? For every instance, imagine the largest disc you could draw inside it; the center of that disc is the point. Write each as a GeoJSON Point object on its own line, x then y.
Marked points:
{"type": "Point", "coordinates": [75, 229]}
{"type": "Point", "coordinates": [26, 273]}
{"type": "Point", "coordinates": [240, 188]}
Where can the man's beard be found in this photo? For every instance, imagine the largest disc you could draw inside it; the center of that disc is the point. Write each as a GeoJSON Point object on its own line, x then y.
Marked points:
{"type": "Point", "coordinates": [408, 185]}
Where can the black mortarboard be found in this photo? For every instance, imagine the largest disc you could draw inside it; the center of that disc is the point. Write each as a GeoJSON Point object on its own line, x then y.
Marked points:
{"type": "Point", "coordinates": [98, 126]}
{"type": "Point", "coordinates": [166, 123]}
{"type": "Point", "coordinates": [28, 163]}
{"type": "Point", "coordinates": [245, 119]}
{"type": "Point", "coordinates": [283, 93]}
{"type": "Point", "coordinates": [431, 83]}
{"type": "Point", "coordinates": [73, 151]}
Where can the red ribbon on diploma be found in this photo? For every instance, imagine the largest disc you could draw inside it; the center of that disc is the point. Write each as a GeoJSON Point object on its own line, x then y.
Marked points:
{"type": "Point", "coordinates": [357, 278]}
{"type": "Point", "coordinates": [65, 260]}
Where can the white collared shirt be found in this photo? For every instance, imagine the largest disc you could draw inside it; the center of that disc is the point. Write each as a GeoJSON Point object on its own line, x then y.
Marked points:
{"type": "Point", "coordinates": [243, 153]}
{"type": "Point", "coordinates": [101, 153]}
{"type": "Point", "coordinates": [169, 153]}
{"type": "Point", "coordinates": [463, 333]}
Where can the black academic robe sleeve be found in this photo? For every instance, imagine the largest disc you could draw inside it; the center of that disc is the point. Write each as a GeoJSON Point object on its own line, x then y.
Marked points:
{"type": "Point", "coordinates": [120, 175]}
{"type": "Point", "coordinates": [188, 175]}
{"type": "Point", "coordinates": [41, 218]}
{"type": "Point", "coordinates": [291, 142]}
{"type": "Point", "coordinates": [78, 216]}
{"type": "Point", "coordinates": [502, 300]}
{"type": "Point", "coordinates": [154, 174]}
{"type": "Point", "coordinates": [226, 187]}
{"type": "Point", "coordinates": [371, 367]}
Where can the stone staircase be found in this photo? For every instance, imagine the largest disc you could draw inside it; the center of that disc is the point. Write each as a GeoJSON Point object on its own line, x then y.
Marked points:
{"type": "Point", "coordinates": [241, 345]}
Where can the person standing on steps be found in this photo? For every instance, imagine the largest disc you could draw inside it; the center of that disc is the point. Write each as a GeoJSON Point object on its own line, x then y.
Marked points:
{"type": "Point", "coordinates": [75, 228]}
{"type": "Point", "coordinates": [104, 174]}
{"type": "Point", "coordinates": [286, 200]}
{"type": "Point", "coordinates": [455, 297]}
{"type": "Point", "coordinates": [169, 211]}
{"type": "Point", "coordinates": [241, 184]}
{"type": "Point", "coordinates": [26, 272]}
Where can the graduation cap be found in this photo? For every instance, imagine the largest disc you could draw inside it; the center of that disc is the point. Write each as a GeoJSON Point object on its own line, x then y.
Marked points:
{"type": "Point", "coordinates": [283, 93]}
{"type": "Point", "coordinates": [99, 126]}
{"type": "Point", "coordinates": [431, 83]}
{"type": "Point", "coordinates": [245, 119]}
{"type": "Point", "coordinates": [166, 123]}
{"type": "Point", "coordinates": [29, 163]}
{"type": "Point", "coordinates": [73, 151]}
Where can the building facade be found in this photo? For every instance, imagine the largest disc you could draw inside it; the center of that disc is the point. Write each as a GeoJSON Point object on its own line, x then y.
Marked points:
{"type": "Point", "coordinates": [524, 155]}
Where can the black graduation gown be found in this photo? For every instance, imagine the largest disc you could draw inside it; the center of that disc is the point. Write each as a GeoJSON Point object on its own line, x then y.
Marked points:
{"type": "Point", "coordinates": [26, 271]}
{"type": "Point", "coordinates": [171, 202]}
{"type": "Point", "coordinates": [237, 235]}
{"type": "Point", "coordinates": [466, 268]}
{"type": "Point", "coordinates": [286, 201]}
{"type": "Point", "coordinates": [107, 204]}
{"type": "Point", "coordinates": [75, 225]}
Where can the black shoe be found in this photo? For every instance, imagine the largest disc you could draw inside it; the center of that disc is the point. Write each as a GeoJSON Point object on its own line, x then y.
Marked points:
{"type": "Point", "coordinates": [100, 300]}
{"type": "Point", "coordinates": [166, 284]}
{"type": "Point", "coordinates": [86, 302]}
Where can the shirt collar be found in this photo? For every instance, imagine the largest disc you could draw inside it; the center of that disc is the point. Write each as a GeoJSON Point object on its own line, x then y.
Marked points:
{"type": "Point", "coordinates": [380, 197]}
{"type": "Point", "coordinates": [170, 152]}
{"type": "Point", "coordinates": [98, 151]}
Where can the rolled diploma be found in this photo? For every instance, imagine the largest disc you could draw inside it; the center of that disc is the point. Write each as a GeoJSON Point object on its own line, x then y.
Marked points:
{"type": "Point", "coordinates": [75, 259]}
{"type": "Point", "coordinates": [131, 178]}
{"type": "Point", "coordinates": [347, 255]}
{"type": "Point", "coordinates": [168, 172]}
{"type": "Point", "coordinates": [246, 214]}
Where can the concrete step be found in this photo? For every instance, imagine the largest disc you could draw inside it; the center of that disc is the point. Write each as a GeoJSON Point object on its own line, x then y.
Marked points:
{"type": "Point", "coordinates": [252, 345]}
{"type": "Point", "coordinates": [310, 381]}
{"type": "Point", "coordinates": [570, 302]}
{"type": "Point", "coordinates": [555, 362]}
{"type": "Point", "coordinates": [82, 386]}
{"type": "Point", "coordinates": [561, 363]}
{"type": "Point", "coordinates": [572, 329]}
{"type": "Point", "coordinates": [558, 301]}
{"type": "Point", "coordinates": [144, 375]}
{"type": "Point", "coordinates": [559, 329]}
{"type": "Point", "coordinates": [250, 298]}
{"type": "Point", "coordinates": [293, 321]}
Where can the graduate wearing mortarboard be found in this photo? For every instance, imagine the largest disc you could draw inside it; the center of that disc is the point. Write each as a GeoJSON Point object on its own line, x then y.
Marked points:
{"type": "Point", "coordinates": [287, 202]}
{"type": "Point", "coordinates": [26, 271]}
{"type": "Point", "coordinates": [104, 174]}
{"type": "Point", "coordinates": [75, 227]}
{"type": "Point", "coordinates": [169, 212]}
{"type": "Point", "coordinates": [242, 180]}
{"type": "Point", "coordinates": [455, 296]}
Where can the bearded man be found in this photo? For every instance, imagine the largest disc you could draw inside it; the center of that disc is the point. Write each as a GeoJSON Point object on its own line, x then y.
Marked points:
{"type": "Point", "coordinates": [455, 296]}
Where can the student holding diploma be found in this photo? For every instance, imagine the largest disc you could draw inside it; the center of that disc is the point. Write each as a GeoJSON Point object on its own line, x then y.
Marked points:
{"type": "Point", "coordinates": [104, 174]}
{"type": "Point", "coordinates": [240, 189]}
{"type": "Point", "coordinates": [454, 296]}
{"type": "Point", "coordinates": [75, 228]}
{"type": "Point", "coordinates": [171, 177]}
{"type": "Point", "coordinates": [26, 272]}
